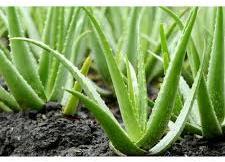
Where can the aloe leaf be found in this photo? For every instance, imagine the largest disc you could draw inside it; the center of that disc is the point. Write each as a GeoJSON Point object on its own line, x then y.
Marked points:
{"type": "Point", "coordinates": [59, 40]}
{"type": "Point", "coordinates": [102, 91]}
{"type": "Point", "coordinates": [31, 28]}
{"type": "Point", "coordinates": [44, 61]}
{"type": "Point", "coordinates": [164, 46]}
{"type": "Point", "coordinates": [189, 127]}
{"type": "Point", "coordinates": [116, 16]}
{"type": "Point", "coordinates": [216, 68]}
{"type": "Point", "coordinates": [132, 85]}
{"type": "Point", "coordinates": [3, 18]}
{"type": "Point", "coordinates": [80, 36]}
{"type": "Point", "coordinates": [116, 134]}
{"type": "Point", "coordinates": [166, 61]}
{"type": "Point", "coordinates": [97, 53]}
{"type": "Point", "coordinates": [159, 58]}
{"type": "Point", "coordinates": [40, 19]}
{"type": "Point", "coordinates": [4, 107]}
{"type": "Point", "coordinates": [21, 54]}
{"type": "Point", "coordinates": [23, 93]}
{"type": "Point", "coordinates": [76, 57]}
{"type": "Point", "coordinates": [62, 74]}
{"type": "Point", "coordinates": [72, 103]}
{"type": "Point", "coordinates": [194, 117]}
{"type": "Point", "coordinates": [107, 27]}
{"type": "Point", "coordinates": [129, 119]}
{"type": "Point", "coordinates": [209, 122]}
{"type": "Point", "coordinates": [149, 39]}
{"type": "Point", "coordinates": [131, 47]}
{"type": "Point", "coordinates": [6, 51]}
{"type": "Point", "coordinates": [152, 67]}
{"type": "Point", "coordinates": [174, 16]}
{"type": "Point", "coordinates": [164, 103]}
{"type": "Point", "coordinates": [85, 83]}
{"type": "Point", "coordinates": [142, 101]}
{"type": "Point", "coordinates": [8, 99]}
{"type": "Point", "coordinates": [179, 125]}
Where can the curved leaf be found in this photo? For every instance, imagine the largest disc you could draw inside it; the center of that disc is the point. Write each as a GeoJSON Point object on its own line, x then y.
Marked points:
{"type": "Point", "coordinates": [23, 93]}
{"type": "Point", "coordinates": [129, 119]}
{"type": "Point", "coordinates": [164, 103]}
{"type": "Point", "coordinates": [216, 68]}
{"type": "Point", "coordinates": [22, 57]}
{"type": "Point", "coordinates": [179, 125]}
{"type": "Point", "coordinates": [116, 134]}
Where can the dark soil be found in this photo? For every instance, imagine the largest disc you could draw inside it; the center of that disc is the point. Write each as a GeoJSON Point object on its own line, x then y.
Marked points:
{"type": "Point", "coordinates": [194, 146]}
{"type": "Point", "coordinates": [50, 134]}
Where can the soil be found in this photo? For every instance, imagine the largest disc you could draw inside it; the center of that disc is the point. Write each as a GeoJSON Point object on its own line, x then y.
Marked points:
{"type": "Point", "coordinates": [49, 133]}
{"type": "Point", "coordinates": [195, 146]}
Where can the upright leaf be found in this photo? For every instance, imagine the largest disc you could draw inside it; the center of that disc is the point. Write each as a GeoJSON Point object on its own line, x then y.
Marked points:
{"type": "Point", "coordinates": [23, 93]}
{"type": "Point", "coordinates": [142, 96]}
{"type": "Point", "coordinates": [116, 134]}
{"type": "Point", "coordinates": [72, 103]}
{"type": "Point", "coordinates": [62, 74]}
{"type": "Point", "coordinates": [22, 57]}
{"type": "Point", "coordinates": [129, 119]}
{"type": "Point", "coordinates": [131, 48]}
{"type": "Point", "coordinates": [8, 99]}
{"type": "Point", "coordinates": [216, 68]}
{"type": "Point", "coordinates": [59, 41]}
{"type": "Point", "coordinates": [209, 122]}
{"type": "Point", "coordinates": [44, 61]}
{"type": "Point", "coordinates": [164, 104]}
{"type": "Point", "coordinates": [179, 125]}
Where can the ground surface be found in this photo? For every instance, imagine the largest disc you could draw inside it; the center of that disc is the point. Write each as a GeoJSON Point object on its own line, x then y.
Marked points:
{"type": "Point", "coordinates": [50, 134]}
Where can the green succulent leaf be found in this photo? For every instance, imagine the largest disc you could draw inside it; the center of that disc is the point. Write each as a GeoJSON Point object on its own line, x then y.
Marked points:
{"type": "Point", "coordinates": [72, 103]}
{"type": "Point", "coordinates": [8, 99]}
{"type": "Point", "coordinates": [44, 61]}
{"type": "Point", "coordinates": [85, 83]}
{"type": "Point", "coordinates": [209, 122]}
{"type": "Point", "coordinates": [4, 107]}
{"type": "Point", "coordinates": [22, 55]}
{"type": "Point", "coordinates": [131, 123]}
{"type": "Point", "coordinates": [216, 68]}
{"type": "Point", "coordinates": [164, 104]}
{"type": "Point", "coordinates": [179, 125]}
{"type": "Point", "coordinates": [116, 134]}
{"type": "Point", "coordinates": [95, 104]}
{"type": "Point", "coordinates": [62, 75]}
{"type": "Point", "coordinates": [23, 93]}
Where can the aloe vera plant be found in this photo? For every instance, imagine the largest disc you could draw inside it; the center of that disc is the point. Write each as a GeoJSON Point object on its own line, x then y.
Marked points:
{"type": "Point", "coordinates": [142, 133]}
{"type": "Point", "coordinates": [34, 78]}
{"type": "Point", "coordinates": [209, 112]}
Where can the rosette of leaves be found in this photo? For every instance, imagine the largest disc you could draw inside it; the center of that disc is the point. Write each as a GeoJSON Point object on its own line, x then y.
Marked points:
{"type": "Point", "coordinates": [33, 77]}
{"type": "Point", "coordinates": [142, 133]}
